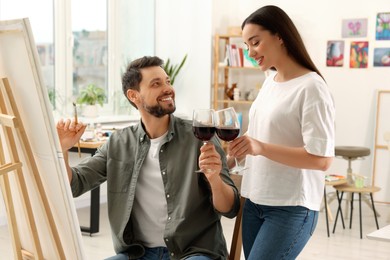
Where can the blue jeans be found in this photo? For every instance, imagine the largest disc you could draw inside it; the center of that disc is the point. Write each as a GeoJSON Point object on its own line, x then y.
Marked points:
{"type": "Point", "coordinates": [155, 253]}
{"type": "Point", "coordinates": [276, 232]}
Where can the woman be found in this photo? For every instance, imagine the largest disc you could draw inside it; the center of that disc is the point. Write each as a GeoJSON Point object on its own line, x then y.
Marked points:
{"type": "Point", "coordinates": [289, 143]}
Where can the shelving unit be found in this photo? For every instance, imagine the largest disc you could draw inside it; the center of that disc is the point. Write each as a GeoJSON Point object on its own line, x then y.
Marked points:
{"type": "Point", "coordinates": [224, 73]}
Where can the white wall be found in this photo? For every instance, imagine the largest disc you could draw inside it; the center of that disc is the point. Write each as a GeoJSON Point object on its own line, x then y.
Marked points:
{"type": "Point", "coordinates": [185, 27]}
{"type": "Point", "coordinates": [354, 90]}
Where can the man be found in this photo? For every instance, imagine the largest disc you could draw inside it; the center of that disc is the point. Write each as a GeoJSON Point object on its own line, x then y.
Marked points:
{"type": "Point", "coordinates": [158, 207]}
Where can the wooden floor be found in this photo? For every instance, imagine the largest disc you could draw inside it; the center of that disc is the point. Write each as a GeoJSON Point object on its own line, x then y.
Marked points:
{"type": "Point", "coordinates": [344, 244]}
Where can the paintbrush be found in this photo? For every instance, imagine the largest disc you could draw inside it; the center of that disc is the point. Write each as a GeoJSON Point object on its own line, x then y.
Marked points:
{"type": "Point", "coordinates": [76, 122]}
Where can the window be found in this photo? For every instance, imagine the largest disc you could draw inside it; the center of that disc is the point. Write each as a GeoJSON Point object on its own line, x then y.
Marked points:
{"type": "Point", "coordinates": [89, 31]}
{"type": "Point", "coordinates": [88, 41]}
{"type": "Point", "coordinates": [41, 20]}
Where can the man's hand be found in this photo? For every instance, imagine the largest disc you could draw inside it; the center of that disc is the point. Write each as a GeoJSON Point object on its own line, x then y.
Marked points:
{"type": "Point", "coordinates": [211, 165]}
{"type": "Point", "coordinates": [210, 161]}
{"type": "Point", "coordinates": [69, 133]}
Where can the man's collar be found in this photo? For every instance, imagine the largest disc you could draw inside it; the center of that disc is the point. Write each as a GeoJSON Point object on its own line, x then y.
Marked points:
{"type": "Point", "coordinates": [171, 129]}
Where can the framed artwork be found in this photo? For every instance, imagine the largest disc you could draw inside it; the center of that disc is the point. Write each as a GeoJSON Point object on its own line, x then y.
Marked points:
{"type": "Point", "coordinates": [358, 57]}
{"type": "Point", "coordinates": [382, 57]}
{"type": "Point", "coordinates": [335, 54]}
{"type": "Point", "coordinates": [383, 26]}
{"type": "Point", "coordinates": [354, 28]}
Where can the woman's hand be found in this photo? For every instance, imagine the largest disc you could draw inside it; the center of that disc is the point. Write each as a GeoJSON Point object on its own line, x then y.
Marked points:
{"type": "Point", "coordinates": [245, 145]}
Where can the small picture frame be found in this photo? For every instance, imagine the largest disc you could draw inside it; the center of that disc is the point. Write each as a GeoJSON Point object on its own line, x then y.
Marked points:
{"type": "Point", "coordinates": [358, 57]}
{"type": "Point", "coordinates": [354, 28]}
{"type": "Point", "coordinates": [382, 57]}
{"type": "Point", "coordinates": [383, 26]}
{"type": "Point", "coordinates": [335, 54]}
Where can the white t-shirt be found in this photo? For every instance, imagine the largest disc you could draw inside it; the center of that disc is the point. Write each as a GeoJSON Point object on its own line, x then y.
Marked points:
{"type": "Point", "coordinates": [150, 206]}
{"type": "Point", "coordinates": [296, 113]}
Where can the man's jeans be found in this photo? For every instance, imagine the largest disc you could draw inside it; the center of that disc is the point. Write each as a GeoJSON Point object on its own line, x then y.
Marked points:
{"type": "Point", "coordinates": [155, 253]}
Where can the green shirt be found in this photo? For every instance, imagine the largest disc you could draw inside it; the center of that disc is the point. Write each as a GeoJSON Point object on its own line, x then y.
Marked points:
{"type": "Point", "coordinates": [193, 225]}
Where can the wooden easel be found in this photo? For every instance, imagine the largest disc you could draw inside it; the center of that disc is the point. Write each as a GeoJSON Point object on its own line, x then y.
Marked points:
{"type": "Point", "coordinates": [378, 136]}
{"type": "Point", "coordinates": [12, 126]}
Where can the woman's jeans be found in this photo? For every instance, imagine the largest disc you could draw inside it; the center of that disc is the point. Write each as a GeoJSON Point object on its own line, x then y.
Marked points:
{"type": "Point", "coordinates": [276, 232]}
{"type": "Point", "coordinates": [155, 253]}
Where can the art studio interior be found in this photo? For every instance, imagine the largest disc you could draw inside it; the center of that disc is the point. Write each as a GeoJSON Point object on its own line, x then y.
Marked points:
{"type": "Point", "coordinates": [80, 50]}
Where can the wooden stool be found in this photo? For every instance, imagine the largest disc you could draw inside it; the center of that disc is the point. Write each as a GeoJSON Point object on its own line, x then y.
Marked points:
{"type": "Point", "coordinates": [352, 189]}
{"type": "Point", "coordinates": [328, 214]}
{"type": "Point", "coordinates": [351, 153]}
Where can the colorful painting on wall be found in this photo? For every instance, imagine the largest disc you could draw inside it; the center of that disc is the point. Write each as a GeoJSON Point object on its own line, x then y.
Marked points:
{"type": "Point", "coordinates": [383, 26]}
{"type": "Point", "coordinates": [335, 54]}
{"type": "Point", "coordinates": [382, 57]}
{"type": "Point", "coordinates": [358, 55]}
{"type": "Point", "coordinates": [354, 28]}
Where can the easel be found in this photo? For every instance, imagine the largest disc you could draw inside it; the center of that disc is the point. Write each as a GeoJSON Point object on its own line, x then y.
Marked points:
{"type": "Point", "coordinates": [12, 126]}
{"type": "Point", "coordinates": [378, 135]}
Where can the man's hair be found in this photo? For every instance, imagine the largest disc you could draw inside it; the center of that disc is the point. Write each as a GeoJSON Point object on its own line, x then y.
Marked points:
{"type": "Point", "coordinates": [133, 77]}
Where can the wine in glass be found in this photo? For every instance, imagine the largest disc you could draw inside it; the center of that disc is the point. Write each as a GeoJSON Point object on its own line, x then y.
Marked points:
{"type": "Point", "coordinates": [228, 128]}
{"type": "Point", "coordinates": [203, 125]}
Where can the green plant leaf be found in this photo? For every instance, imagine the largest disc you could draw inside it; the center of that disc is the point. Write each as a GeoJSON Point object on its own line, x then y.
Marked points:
{"type": "Point", "coordinates": [91, 95]}
{"type": "Point", "coordinates": [173, 70]}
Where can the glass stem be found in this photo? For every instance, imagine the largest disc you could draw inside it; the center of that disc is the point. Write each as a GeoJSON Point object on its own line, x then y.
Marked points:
{"type": "Point", "coordinates": [236, 161]}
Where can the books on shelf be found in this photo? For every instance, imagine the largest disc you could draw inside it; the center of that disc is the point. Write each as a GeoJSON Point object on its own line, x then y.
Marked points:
{"type": "Point", "coordinates": [248, 61]}
{"type": "Point", "coordinates": [238, 57]}
{"type": "Point", "coordinates": [334, 177]}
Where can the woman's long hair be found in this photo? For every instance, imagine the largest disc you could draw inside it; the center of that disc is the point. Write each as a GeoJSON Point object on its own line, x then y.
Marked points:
{"type": "Point", "coordinates": [276, 21]}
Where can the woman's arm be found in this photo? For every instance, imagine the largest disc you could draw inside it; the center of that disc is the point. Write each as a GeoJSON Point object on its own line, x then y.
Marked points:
{"type": "Point", "coordinates": [296, 157]}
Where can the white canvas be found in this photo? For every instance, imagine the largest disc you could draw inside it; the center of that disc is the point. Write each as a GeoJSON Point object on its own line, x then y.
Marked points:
{"type": "Point", "coordinates": [20, 64]}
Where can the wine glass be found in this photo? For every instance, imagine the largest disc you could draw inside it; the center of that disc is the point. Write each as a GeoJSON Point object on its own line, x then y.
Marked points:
{"type": "Point", "coordinates": [228, 128]}
{"type": "Point", "coordinates": [203, 125]}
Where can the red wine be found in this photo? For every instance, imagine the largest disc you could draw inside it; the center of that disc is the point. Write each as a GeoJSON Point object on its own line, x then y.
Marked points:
{"type": "Point", "coordinates": [228, 134]}
{"type": "Point", "coordinates": [204, 133]}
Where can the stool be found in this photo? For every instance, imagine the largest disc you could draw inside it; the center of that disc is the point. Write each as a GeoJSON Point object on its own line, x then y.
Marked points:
{"type": "Point", "coordinates": [351, 153]}
{"type": "Point", "coordinates": [327, 211]}
{"type": "Point", "coordinates": [352, 189]}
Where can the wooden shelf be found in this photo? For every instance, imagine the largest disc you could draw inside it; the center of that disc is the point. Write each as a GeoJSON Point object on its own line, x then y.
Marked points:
{"type": "Point", "coordinates": [228, 36]}
{"type": "Point", "coordinates": [223, 75]}
{"type": "Point", "coordinates": [240, 68]}
{"type": "Point", "coordinates": [224, 101]}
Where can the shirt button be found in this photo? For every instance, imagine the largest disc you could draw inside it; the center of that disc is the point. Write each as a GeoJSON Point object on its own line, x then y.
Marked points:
{"type": "Point", "coordinates": [161, 150]}
{"type": "Point", "coordinates": [163, 173]}
{"type": "Point", "coordinates": [169, 218]}
{"type": "Point", "coordinates": [167, 195]}
{"type": "Point", "coordinates": [172, 254]}
{"type": "Point", "coordinates": [167, 239]}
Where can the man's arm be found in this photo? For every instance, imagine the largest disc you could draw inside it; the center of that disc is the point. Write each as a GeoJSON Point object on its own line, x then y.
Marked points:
{"type": "Point", "coordinates": [211, 164]}
{"type": "Point", "coordinates": [69, 134]}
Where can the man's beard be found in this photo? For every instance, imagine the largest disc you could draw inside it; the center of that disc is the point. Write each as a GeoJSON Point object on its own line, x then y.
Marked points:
{"type": "Point", "coordinates": [158, 110]}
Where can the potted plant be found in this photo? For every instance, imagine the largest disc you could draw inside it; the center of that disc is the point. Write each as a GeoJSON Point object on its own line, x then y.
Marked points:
{"type": "Point", "coordinates": [91, 96]}
{"type": "Point", "coordinates": [172, 70]}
